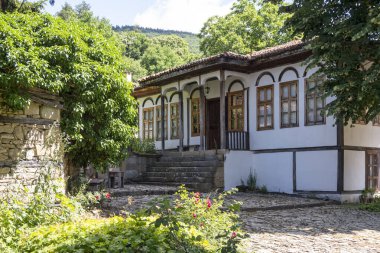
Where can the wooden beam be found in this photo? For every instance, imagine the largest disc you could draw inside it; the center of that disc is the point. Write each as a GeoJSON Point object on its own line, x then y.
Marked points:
{"type": "Point", "coordinates": [27, 121]}
{"type": "Point", "coordinates": [222, 110]}
{"type": "Point", "coordinates": [202, 117]}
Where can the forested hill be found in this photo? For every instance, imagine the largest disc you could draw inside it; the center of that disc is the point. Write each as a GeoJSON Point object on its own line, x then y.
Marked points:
{"type": "Point", "coordinates": [191, 38]}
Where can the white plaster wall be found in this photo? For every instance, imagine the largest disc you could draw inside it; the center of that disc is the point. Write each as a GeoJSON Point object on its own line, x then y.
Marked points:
{"type": "Point", "coordinates": [317, 170]}
{"type": "Point", "coordinates": [301, 136]}
{"type": "Point", "coordinates": [362, 135]}
{"type": "Point", "coordinates": [275, 171]}
{"type": "Point", "coordinates": [237, 166]}
{"type": "Point", "coordinates": [354, 170]}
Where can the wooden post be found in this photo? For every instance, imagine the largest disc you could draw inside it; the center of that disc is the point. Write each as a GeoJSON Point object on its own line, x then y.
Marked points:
{"type": "Point", "coordinates": [163, 119]}
{"type": "Point", "coordinates": [202, 117]}
{"type": "Point", "coordinates": [222, 110]}
{"type": "Point", "coordinates": [180, 132]}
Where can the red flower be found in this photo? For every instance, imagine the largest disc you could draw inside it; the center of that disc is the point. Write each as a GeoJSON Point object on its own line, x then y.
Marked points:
{"type": "Point", "coordinates": [208, 203]}
{"type": "Point", "coordinates": [194, 215]}
{"type": "Point", "coordinates": [97, 197]}
{"type": "Point", "coordinates": [108, 195]}
{"type": "Point", "coordinates": [233, 235]}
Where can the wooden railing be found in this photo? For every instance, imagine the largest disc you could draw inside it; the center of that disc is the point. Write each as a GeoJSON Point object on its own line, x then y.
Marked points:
{"type": "Point", "coordinates": [238, 140]}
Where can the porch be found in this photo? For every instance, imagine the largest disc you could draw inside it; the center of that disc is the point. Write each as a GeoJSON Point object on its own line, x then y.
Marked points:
{"type": "Point", "coordinates": [206, 112]}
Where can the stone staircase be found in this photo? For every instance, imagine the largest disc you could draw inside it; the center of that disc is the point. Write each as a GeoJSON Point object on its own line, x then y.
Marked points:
{"type": "Point", "coordinates": [198, 170]}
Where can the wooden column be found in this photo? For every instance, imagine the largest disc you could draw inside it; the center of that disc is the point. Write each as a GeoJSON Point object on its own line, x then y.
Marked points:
{"type": "Point", "coordinates": [202, 117]}
{"type": "Point", "coordinates": [163, 119]}
{"type": "Point", "coordinates": [180, 130]}
{"type": "Point", "coordinates": [222, 110]}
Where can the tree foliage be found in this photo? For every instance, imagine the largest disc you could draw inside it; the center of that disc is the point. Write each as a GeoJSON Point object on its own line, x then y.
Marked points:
{"type": "Point", "coordinates": [345, 39]}
{"type": "Point", "coordinates": [251, 25]}
{"type": "Point", "coordinates": [85, 67]}
{"type": "Point", "coordinates": [23, 6]}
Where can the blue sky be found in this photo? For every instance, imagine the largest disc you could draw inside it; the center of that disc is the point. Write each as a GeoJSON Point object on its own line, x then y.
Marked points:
{"type": "Point", "coordinates": [184, 15]}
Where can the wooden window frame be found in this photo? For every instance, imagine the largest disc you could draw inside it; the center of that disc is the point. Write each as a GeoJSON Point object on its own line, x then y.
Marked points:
{"type": "Point", "coordinates": [314, 95]}
{"type": "Point", "coordinates": [289, 99]}
{"type": "Point", "coordinates": [172, 119]}
{"type": "Point", "coordinates": [259, 103]}
{"type": "Point", "coordinates": [197, 114]}
{"type": "Point", "coordinates": [158, 122]}
{"type": "Point", "coordinates": [367, 165]}
{"type": "Point", "coordinates": [230, 108]}
{"type": "Point", "coordinates": [147, 121]}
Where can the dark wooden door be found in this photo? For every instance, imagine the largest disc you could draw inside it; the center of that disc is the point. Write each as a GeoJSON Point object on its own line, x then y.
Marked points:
{"type": "Point", "coordinates": [213, 124]}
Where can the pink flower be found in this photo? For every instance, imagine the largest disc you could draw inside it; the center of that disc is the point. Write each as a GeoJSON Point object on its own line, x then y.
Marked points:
{"type": "Point", "coordinates": [108, 195]}
{"type": "Point", "coordinates": [233, 235]}
{"type": "Point", "coordinates": [208, 203]}
{"type": "Point", "coordinates": [197, 195]}
{"type": "Point", "coordinates": [194, 215]}
{"type": "Point", "coordinates": [97, 197]}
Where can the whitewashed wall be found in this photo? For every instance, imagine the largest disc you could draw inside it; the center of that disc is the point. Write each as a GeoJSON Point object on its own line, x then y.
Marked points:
{"type": "Point", "coordinates": [362, 135]}
{"type": "Point", "coordinates": [237, 166]}
{"type": "Point", "coordinates": [317, 170]}
{"type": "Point", "coordinates": [301, 136]}
{"type": "Point", "coordinates": [354, 170]}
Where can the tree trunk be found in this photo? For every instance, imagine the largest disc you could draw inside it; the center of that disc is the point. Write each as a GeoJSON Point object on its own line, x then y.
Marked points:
{"type": "Point", "coordinates": [72, 175]}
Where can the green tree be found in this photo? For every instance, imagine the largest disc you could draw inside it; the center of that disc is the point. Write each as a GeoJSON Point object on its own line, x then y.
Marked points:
{"type": "Point", "coordinates": [85, 67]}
{"type": "Point", "coordinates": [251, 25]}
{"type": "Point", "coordinates": [23, 5]}
{"type": "Point", "coordinates": [345, 40]}
{"type": "Point", "coordinates": [135, 44]}
{"type": "Point", "coordinates": [157, 58]}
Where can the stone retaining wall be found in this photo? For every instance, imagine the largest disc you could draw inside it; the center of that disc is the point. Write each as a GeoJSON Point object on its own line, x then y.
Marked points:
{"type": "Point", "coordinates": [30, 142]}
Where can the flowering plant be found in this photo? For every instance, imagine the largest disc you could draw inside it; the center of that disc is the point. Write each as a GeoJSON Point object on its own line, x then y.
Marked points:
{"type": "Point", "coordinates": [210, 226]}
{"type": "Point", "coordinates": [91, 200]}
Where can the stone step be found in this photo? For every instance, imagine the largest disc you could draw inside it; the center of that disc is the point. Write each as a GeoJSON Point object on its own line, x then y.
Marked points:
{"type": "Point", "coordinates": [211, 163]}
{"type": "Point", "coordinates": [191, 186]}
{"type": "Point", "coordinates": [180, 169]}
{"type": "Point", "coordinates": [170, 175]}
{"type": "Point", "coordinates": [181, 180]}
{"type": "Point", "coordinates": [189, 158]}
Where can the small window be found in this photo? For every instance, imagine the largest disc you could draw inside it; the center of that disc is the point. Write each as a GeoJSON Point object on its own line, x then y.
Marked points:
{"type": "Point", "coordinates": [236, 111]}
{"type": "Point", "coordinates": [148, 123]}
{"type": "Point", "coordinates": [314, 101]}
{"type": "Point", "coordinates": [158, 122]}
{"type": "Point", "coordinates": [289, 104]}
{"type": "Point", "coordinates": [372, 170]}
{"type": "Point", "coordinates": [265, 107]}
{"type": "Point", "coordinates": [174, 120]}
{"type": "Point", "coordinates": [195, 117]}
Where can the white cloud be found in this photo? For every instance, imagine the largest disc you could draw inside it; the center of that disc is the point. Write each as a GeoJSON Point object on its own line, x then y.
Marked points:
{"type": "Point", "coordinates": [182, 15]}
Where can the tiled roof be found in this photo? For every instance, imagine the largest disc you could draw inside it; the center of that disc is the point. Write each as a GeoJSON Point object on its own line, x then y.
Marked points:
{"type": "Point", "coordinates": [268, 52]}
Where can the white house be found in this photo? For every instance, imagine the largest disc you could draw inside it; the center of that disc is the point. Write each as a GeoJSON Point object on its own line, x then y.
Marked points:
{"type": "Point", "coordinates": [264, 109]}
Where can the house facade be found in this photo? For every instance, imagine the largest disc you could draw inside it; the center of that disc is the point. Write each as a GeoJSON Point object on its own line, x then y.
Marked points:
{"type": "Point", "coordinates": [265, 111]}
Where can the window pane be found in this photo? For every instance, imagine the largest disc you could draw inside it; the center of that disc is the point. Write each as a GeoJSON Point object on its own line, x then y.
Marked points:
{"type": "Point", "coordinates": [285, 92]}
{"type": "Point", "coordinates": [269, 94]}
{"type": "Point", "coordinates": [310, 84]}
{"type": "Point", "coordinates": [319, 115]}
{"type": "Point", "coordinates": [261, 122]}
{"type": "Point", "coordinates": [261, 111]}
{"type": "Point", "coordinates": [285, 107]}
{"type": "Point", "coordinates": [262, 95]}
{"type": "Point", "coordinates": [319, 103]}
{"type": "Point", "coordinates": [310, 116]}
{"type": "Point", "coordinates": [310, 104]}
{"type": "Point", "coordinates": [285, 119]}
{"type": "Point", "coordinates": [269, 120]}
{"type": "Point", "coordinates": [269, 110]}
{"type": "Point", "coordinates": [293, 118]}
{"type": "Point", "coordinates": [293, 106]}
{"type": "Point", "coordinates": [293, 90]}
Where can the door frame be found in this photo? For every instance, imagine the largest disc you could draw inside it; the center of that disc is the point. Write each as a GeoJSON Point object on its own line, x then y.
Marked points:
{"type": "Point", "coordinates": [206, 122]}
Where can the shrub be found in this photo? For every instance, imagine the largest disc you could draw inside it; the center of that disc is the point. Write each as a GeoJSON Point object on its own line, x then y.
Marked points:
{"type": "Point", "coordinates": [21, 209]}
{"type": "Point", "coordinates": [145, 146]}
{"type": "Point", "coordinates": [191, 223]}
{"type": "Point", "coordinates": [372, 207]}
{"type": "Point", "coordinates": [91, 200]}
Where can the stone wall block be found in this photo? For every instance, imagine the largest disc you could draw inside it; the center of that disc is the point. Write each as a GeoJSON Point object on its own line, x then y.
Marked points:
{"type": "Point", "coordinates": [7, 128]}
{"type": "Point", "coordinates": [49, 113]}
{"type": "Point", "coordinates": [18, 133]}
{"type": "Point", "coordinates": [33, 109]}
{"type": "Point", "coordinates": [14, 154]}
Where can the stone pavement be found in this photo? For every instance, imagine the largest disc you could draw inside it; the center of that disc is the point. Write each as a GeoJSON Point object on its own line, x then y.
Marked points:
{"type": "Point", "coordinates": [281, 223]}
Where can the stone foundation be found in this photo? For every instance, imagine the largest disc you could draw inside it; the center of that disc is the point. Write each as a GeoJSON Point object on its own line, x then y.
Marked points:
{"type": "Point", "coordinates": [30, 142]}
